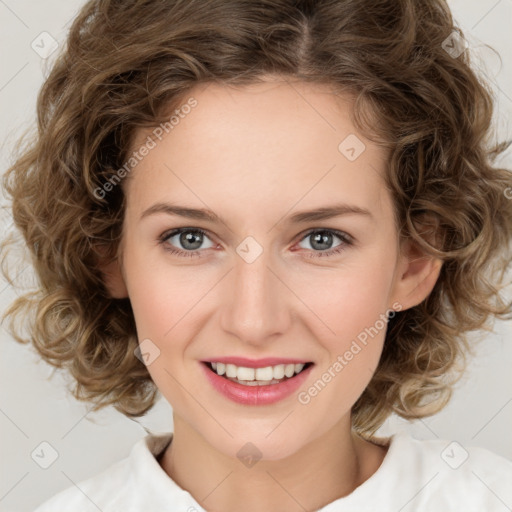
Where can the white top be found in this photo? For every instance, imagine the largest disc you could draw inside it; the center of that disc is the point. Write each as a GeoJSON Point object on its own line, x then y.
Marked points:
{"type": "Point", "coordinates": [415, 476]}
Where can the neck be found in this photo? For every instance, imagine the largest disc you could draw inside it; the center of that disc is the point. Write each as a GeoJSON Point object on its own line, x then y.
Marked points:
{"type": "Point", "coordinates": [329, 467]}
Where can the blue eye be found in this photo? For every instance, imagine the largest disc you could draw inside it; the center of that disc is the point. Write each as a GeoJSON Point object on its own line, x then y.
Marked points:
{"type": "Point", "coordinates": [187, 237]}
{"type": "Point", "coordinates": [321, 237]}
{"type": "Point", "coordinates": [191, 240]}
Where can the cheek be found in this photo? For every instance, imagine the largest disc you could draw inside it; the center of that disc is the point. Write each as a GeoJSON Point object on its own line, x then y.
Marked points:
{"type": "Point", "coordinates": [160, 294]}
{"type": "Point", "coordinates": [161, 305]}
{"type": "Point", "coordinates": [154, 307]}
{"type": "Point", "coordinates": [351, 305]}
{"type": "Point", "coordinates": [346, 301]}
{"type": "Point", "coordinates": [356, 316]}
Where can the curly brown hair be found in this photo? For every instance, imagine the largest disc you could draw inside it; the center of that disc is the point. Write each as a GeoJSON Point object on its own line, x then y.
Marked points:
{"type": "Point", "coordinates": [126, 63]}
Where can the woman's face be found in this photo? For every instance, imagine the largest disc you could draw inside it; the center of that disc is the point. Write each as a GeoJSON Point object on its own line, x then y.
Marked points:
{"type": "Point", "coordinates": [263, 282]}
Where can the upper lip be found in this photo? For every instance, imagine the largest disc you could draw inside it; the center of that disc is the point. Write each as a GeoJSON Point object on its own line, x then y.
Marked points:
{"type": "Point", "coordinates": [256, 363]}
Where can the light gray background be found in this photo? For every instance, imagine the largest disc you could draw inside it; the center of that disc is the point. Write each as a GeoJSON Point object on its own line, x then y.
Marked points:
{"type": "Point", "coordinates": [35, 408]}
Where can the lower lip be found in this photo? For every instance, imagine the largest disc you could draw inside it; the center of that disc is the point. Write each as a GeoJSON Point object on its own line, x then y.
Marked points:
{"type": "Point", "coordinates": [255, 395]}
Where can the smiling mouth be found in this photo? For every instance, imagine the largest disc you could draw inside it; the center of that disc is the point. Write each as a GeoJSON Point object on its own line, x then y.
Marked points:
{"type": "Point", "coordinates": [258, 376]}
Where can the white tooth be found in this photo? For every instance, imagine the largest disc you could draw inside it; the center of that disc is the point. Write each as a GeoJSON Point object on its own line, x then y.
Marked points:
{"type": "Point", "coordinates": [279, 371]}
{"type": "Point", "coordinates": [231, 371]}
{"type": "Point", "coordinates": [243, 373]}
{"type": "Point", "coordinates": [289, 370]}
{"type": "Point", "coordinates": [264, 373]}
{"type": "Point", "coordinates": [263, 382]}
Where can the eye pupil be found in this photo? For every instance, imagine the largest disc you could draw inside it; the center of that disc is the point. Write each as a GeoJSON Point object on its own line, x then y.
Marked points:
{"type": "Point", "coordinates": [188, 236]}
{"type": "Point", "coordinates": [321, 237]}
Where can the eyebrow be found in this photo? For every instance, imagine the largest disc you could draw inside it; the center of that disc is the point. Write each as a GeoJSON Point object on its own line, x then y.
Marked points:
{"type": "Point", "coordinates": [323, 213]}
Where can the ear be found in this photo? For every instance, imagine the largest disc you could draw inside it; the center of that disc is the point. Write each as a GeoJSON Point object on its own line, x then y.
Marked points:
{"type": "Point", "coordinates": [110, 269]}
{"type": "Point", "coordinates": [416, 275]}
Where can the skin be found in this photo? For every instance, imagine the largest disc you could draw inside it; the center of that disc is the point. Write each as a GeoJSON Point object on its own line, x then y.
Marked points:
{"type": "Point", "coordinates": [256, 155]}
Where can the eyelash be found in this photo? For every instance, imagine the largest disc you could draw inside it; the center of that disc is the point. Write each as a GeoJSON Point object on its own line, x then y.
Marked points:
{"type": "Point", "coordinates": [346, 242]}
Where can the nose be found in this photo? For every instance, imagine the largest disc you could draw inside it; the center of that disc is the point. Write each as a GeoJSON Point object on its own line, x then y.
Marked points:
{"type": "Point", "coordinates": [257, 306]}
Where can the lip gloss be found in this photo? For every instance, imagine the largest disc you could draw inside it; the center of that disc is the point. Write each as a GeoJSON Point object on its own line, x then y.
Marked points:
{"type": "Point", "coordinates": [255, 395]}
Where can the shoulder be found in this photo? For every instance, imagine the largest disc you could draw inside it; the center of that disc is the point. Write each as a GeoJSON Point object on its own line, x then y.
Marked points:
{"type": "Point", "coordinates": [92, 494]}
{"type": "Point", "coordinates": [449, 474]}
{"type": "Point", "coordinates": [117, 487]}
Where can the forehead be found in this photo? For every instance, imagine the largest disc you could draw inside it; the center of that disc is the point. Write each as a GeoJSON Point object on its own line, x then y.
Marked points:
{"type": "Point", "coordinates": [263, 147]}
